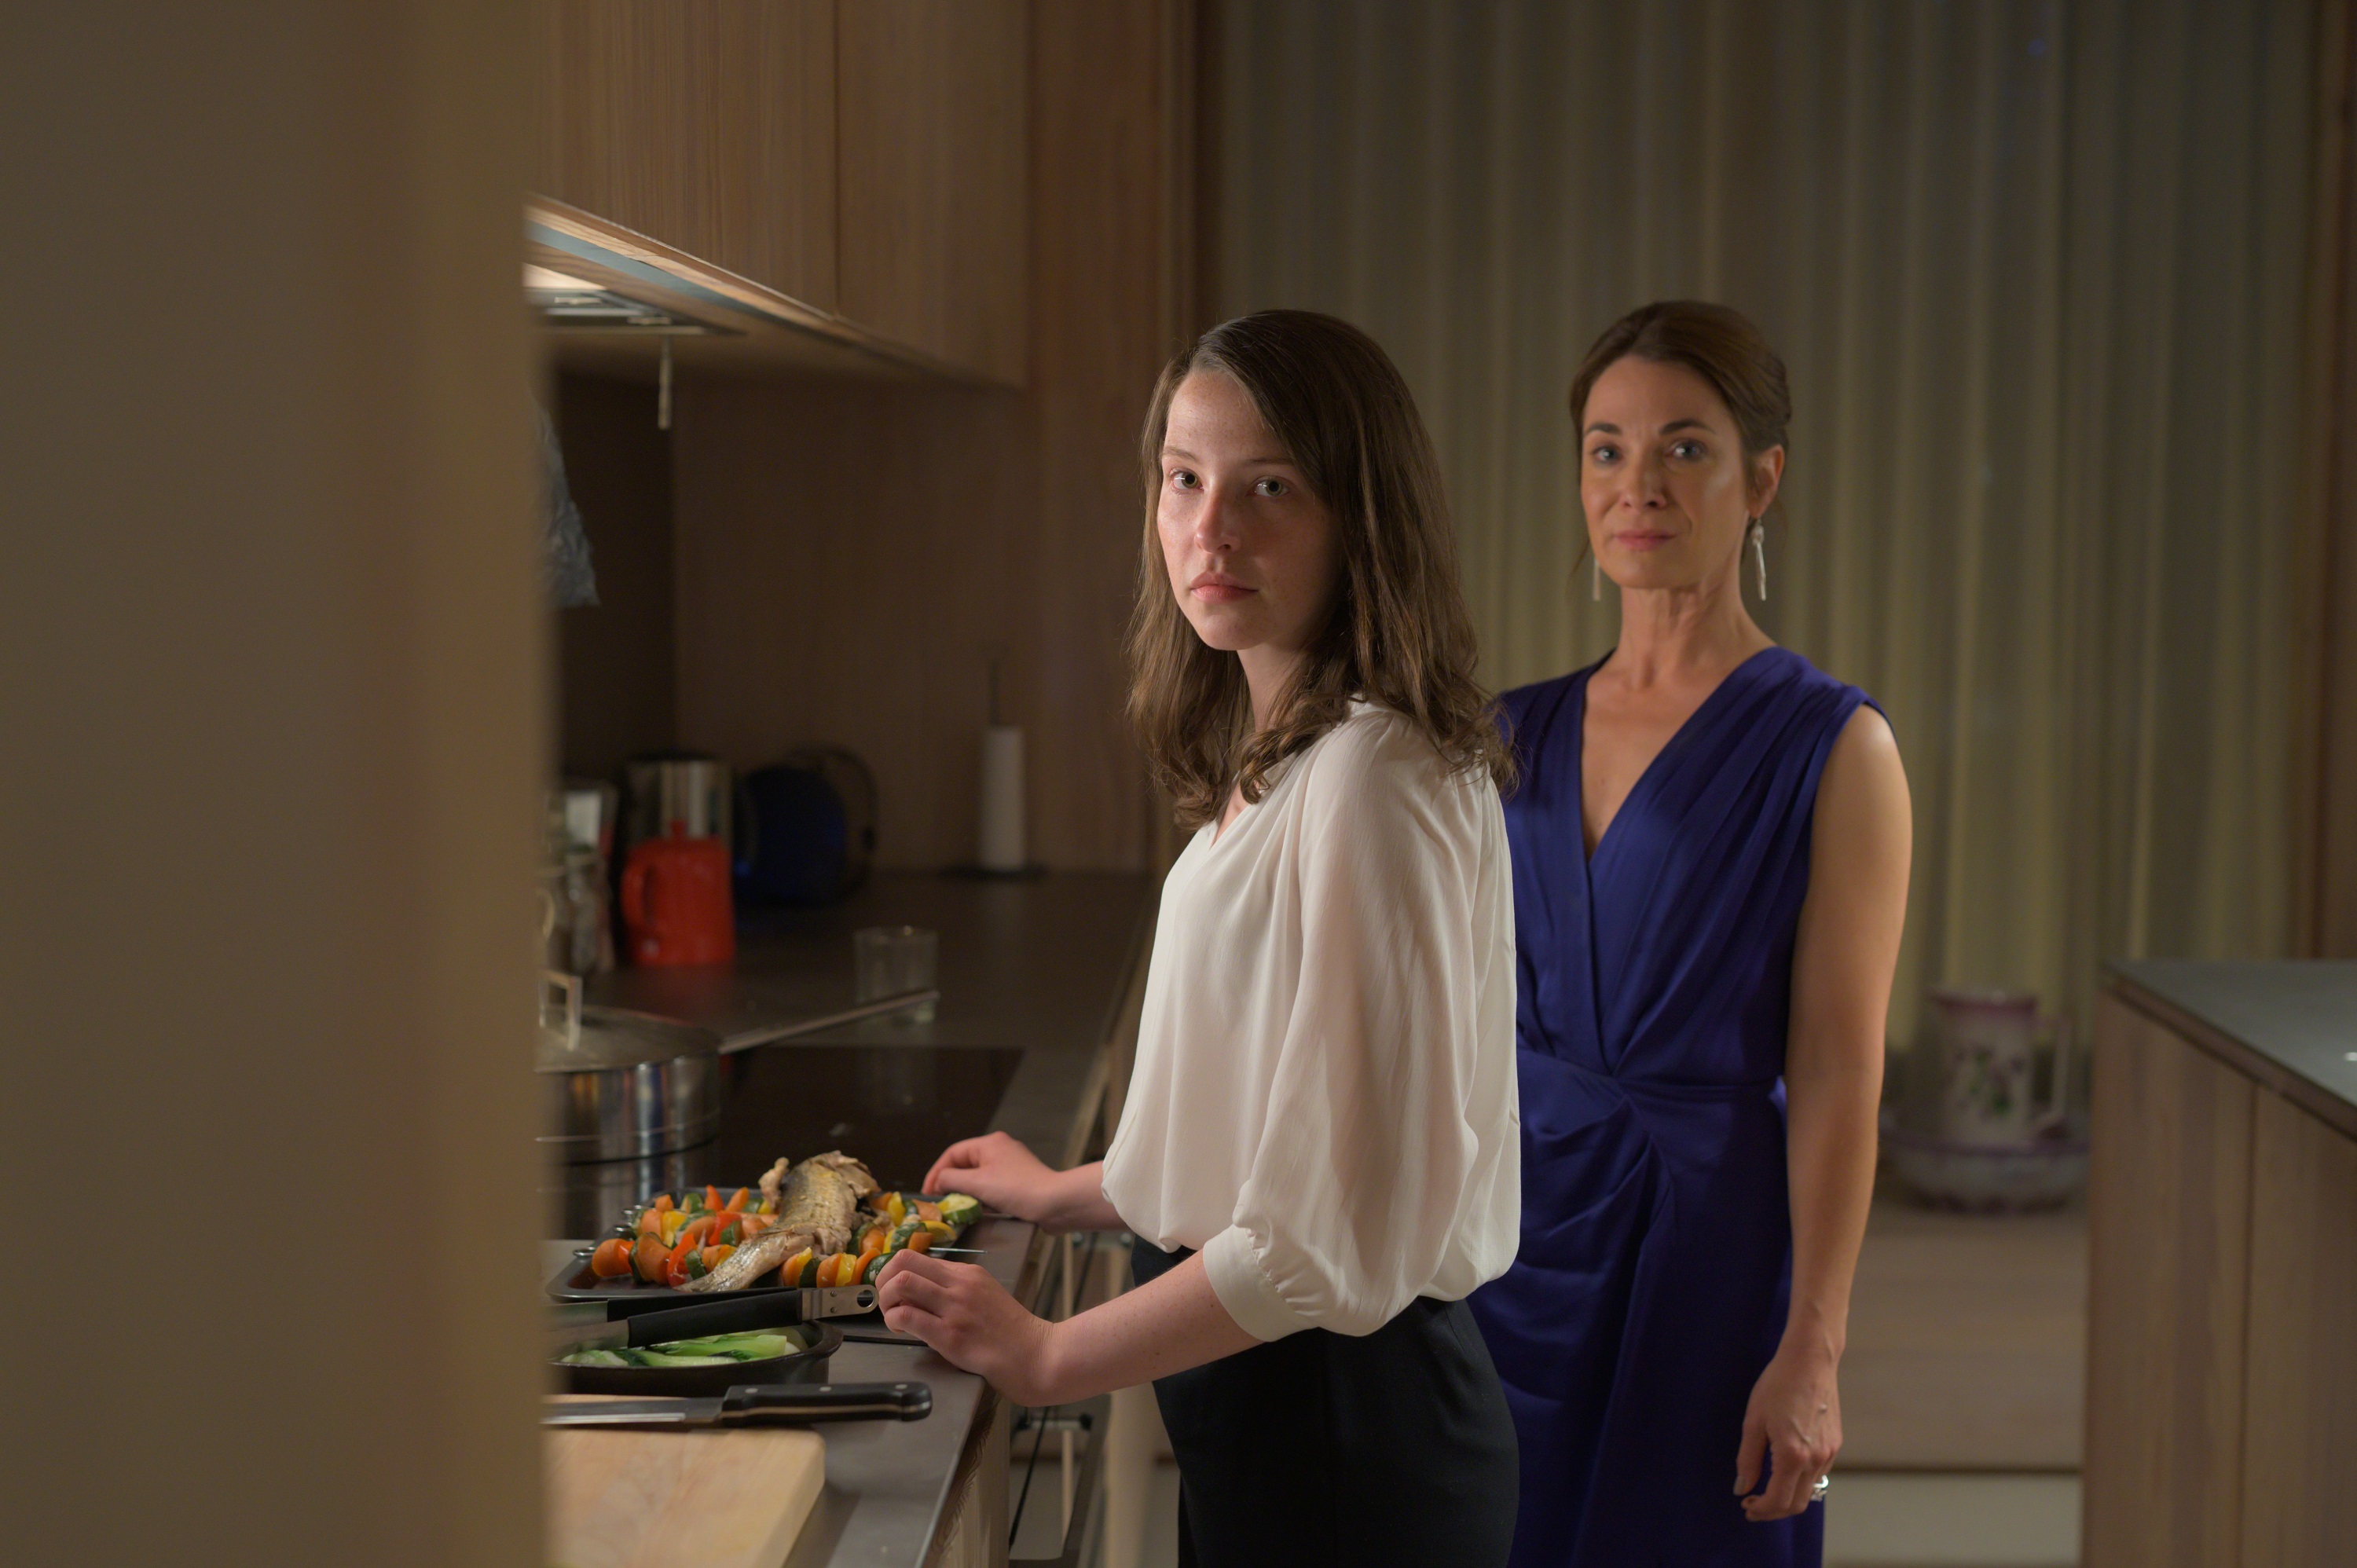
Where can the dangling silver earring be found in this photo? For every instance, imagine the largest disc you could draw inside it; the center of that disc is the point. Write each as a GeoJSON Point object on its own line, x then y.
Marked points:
{"type": "Point", "coordinates": [1595, 579]}
{"type": "Point", "coordinates": [1758, 534]}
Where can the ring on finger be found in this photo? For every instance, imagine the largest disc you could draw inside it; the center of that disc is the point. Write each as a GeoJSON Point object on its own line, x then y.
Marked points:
{"type": "Point", "coordinates": [1823, 1485]}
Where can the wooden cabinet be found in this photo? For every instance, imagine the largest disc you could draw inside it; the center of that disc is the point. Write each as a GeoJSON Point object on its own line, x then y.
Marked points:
{"type": "Point", "coordinates": [2299, 1383]}
{"type": "Point", "coordinates": [866, 159]}
{"type": "Point", "coordinates": [933, 151]}
{"type": "Point", "coordinates": [706, 125]}
{"type": "Point", "coordinates": [2222, 1363]}
{"type": "Point", "coordinates": [2169, 1241]}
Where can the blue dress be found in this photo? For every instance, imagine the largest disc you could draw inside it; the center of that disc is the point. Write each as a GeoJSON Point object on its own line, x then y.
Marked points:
{"type": "Point", "coordinates": [1655, 980]}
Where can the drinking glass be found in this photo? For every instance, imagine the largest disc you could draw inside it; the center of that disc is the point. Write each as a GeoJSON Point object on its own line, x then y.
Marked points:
{"type": "Point", "coordinates": [890, 959]}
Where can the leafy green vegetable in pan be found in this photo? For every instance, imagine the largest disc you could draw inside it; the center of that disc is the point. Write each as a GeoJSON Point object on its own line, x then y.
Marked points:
{"type": "Point", "coordinates": [713, 1351]}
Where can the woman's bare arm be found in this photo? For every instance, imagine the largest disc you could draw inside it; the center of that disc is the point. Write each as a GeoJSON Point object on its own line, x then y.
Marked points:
{"type": "Point", "coordinates": [1846, 954]}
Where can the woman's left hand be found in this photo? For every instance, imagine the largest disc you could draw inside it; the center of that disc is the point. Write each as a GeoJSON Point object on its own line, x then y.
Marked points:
{"type": "Point", "coordinates": [1795, 1419]}
{"type": "Point", "coordinates": [968, 1317]}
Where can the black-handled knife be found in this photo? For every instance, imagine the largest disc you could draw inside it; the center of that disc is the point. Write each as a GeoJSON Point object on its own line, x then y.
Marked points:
{"type": "Point", "coordinates": [753, 1404]}
{"type": "Point", "coordinates": [766, 1309]}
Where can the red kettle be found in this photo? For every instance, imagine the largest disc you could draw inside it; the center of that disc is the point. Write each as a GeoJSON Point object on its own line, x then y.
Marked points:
{"type": "Point", "coordinates": [675, 900]}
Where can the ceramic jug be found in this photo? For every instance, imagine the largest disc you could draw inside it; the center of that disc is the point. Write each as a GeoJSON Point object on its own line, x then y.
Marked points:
{"type": "Point", "coordinates": [676, 901]}
{"type": "Point", "coordinates": [1984, 1046]}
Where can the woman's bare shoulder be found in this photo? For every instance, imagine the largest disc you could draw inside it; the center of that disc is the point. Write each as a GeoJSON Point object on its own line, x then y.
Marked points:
{"type": "Point", "coordinates": [1864, 787]}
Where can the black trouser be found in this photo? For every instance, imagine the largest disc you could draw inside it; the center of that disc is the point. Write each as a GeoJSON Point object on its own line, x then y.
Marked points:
{"type": "Point", "coordinates": [1322, 1448]}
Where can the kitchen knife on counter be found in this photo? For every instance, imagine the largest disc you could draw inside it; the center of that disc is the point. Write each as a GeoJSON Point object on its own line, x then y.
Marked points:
{"type": "Point", "coordinates": [612, 1328]}
{"type": "Point", "coordinates": [752, 1404]}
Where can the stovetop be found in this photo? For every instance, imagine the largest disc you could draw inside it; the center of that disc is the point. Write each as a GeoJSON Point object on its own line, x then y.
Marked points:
{"type": "Point", "coordinates": [895, 1107]}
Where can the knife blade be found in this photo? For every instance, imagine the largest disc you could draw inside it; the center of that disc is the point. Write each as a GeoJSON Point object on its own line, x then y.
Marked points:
{"type": "Point", "coordinates": [753, 1404]}
{"type": "Point", "coordinates": [768, 1309]}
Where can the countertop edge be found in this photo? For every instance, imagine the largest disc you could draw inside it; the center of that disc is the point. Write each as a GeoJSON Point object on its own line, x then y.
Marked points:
{"type": "Point", "coordinates": [2319, 1100]}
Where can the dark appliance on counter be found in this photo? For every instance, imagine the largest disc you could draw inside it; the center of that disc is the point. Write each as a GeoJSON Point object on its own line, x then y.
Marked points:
{"type": "Point", "coordinates": [811, 833]}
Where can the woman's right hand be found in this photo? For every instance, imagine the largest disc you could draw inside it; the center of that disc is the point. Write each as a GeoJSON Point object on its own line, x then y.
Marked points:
{"type": "Point", "coordinates": [999, 1171]}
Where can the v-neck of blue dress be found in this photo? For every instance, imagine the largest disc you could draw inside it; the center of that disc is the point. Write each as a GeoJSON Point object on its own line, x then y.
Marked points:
{"type": "Point", "coordinates": [1653, 987]}
{"type": "Point", "coordinates": [1664, 757]}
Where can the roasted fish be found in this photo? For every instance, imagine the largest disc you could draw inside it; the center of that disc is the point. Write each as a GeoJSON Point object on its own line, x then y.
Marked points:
{"type": "Point", "coordinates": [818, 1207]}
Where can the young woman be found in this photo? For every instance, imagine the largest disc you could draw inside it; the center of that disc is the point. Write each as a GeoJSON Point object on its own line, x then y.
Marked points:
{"type": "Point", "coordinates": [1710, 848]}
{"type": "Point", "coordinates": [1317, 1154]}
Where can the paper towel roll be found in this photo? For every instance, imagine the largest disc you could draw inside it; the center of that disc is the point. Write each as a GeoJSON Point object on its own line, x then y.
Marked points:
{"type": "Point", "coordinates": [1001, 847]}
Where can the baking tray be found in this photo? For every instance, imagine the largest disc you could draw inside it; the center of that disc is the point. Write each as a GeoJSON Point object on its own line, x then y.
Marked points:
{"type": "Point", "coordinates": [998, 1241]}
{"type": "Point", "coordinates": [576, 1283]}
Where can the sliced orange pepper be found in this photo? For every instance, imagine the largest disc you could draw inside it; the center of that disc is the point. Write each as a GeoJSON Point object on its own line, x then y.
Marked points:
{"type": "Point", "coordinates": [663, 1203]}
{"type": "Point", "coordinates": [920, 1241]}
{"type": "Point", "coordinates": [711, 1196]}
{"type": "Point", "coordinates": [736, 1200]}
{"type": "Point", "coordinates": [716, 1256]}
{"type": "Point", "coordinates": [611, 1261]}
{"type": "Point", "coordinates": [649, 1259]}
{"type": "Point", "coordinates": [791, 1272]}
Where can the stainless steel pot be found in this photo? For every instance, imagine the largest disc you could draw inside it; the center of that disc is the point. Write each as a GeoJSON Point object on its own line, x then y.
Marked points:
{"type": "Point", "coordinates": [624, 1086]}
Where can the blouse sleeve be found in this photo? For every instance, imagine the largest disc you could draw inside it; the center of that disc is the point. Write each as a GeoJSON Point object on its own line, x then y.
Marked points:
{"type": "Point", "coordinates": [1383, 1143]}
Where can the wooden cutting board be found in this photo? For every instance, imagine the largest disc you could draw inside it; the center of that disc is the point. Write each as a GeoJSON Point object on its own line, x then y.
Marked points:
{"type": "Point", "coordinates": [653, 1500]}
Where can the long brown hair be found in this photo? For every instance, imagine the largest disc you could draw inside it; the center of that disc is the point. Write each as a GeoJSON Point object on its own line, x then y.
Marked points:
{"type": "Point", "coordinates": [1718, 343]}
{"type": "Point", "coordinates": [1398, 633]}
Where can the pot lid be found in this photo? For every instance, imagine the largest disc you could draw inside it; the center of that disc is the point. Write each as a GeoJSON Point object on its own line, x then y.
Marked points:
{"type": "Point", "coordinates": [616, 1037]}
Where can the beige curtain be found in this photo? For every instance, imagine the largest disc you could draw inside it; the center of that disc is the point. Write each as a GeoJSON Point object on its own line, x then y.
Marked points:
{"type": "Point", "coordinates": [2036, 269]}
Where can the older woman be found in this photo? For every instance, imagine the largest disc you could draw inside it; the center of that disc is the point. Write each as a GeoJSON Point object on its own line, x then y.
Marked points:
{"type": "Point", "coordinates": [1710, 847]}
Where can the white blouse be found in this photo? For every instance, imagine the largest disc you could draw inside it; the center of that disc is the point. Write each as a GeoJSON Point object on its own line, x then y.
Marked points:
{"type": "Point", "coordinates": [1323, 1101]}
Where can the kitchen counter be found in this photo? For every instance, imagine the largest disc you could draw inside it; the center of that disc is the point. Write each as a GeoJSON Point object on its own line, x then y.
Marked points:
{"type": "Point", "coordinates": [2291, 1026]}
{"type": "Point", "coordinates": [2221, 1205]}
{"type": "Point", "coordinates": [1047, 967]}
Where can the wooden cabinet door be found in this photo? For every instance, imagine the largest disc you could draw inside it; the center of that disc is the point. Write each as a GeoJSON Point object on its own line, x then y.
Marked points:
{"type": "Point", "coordinates": [2169, 1241]}
{"type": "Point", "coordinates": [2299, 1421]}
{"type": "Point", "coordinates": [707, 124]}
{"type": "Point", "coordinates": [933, 154]}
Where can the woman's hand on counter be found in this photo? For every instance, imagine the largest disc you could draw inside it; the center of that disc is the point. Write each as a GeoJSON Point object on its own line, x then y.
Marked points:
{"type": "Point", "coordinates": [1165, 1327]}
{"type": "Point", "coordinates": [968, 1317]}
{"type": "Point", "coordinates": [1010, 1178]}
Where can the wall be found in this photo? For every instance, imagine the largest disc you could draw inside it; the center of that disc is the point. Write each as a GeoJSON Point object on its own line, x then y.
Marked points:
{"type": "Point", "coordinates": [2036, 269]}
{"type": "Point", "coordinates": [616, 658]}
{"type": "Point", "coordinates": [2326, 772]}
{"type": "Point", "coordinates": [269, 751]}
{"type": "Point", "coordinates": [852, 555]}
